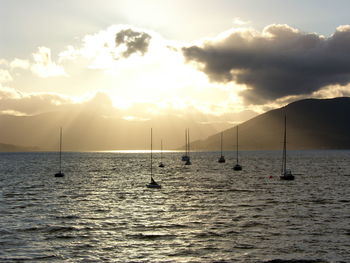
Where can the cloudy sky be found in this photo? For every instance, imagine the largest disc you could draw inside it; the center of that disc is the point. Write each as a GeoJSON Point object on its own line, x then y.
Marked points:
{"type": "Point", "coordinates": [227, 60]}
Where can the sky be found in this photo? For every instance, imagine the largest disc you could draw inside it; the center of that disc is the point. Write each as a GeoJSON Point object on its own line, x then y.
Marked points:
{"type": "Point", "coordinates": [219, 62]}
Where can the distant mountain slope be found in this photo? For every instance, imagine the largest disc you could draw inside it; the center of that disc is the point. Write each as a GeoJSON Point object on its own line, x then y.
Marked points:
{"type": "Point", "coordinates": [90, 131]}
{"type": "Point", "coordinates": [311, 124]}
{"type": "Point", "coordinates": [17, 148]}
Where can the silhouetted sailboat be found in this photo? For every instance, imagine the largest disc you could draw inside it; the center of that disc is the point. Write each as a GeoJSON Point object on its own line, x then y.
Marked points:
{"type": "Point", "coordinates": [286, 174]}
{"type": "Point", "coordinates": [237, 167]}
{"type": "Point", "coordinates": [161, 165]}
{"type": "Point", "coordinates": [222, 158]}
{"type": "Point", "coordinates": [185, 157]}
{"type": "Point", "coordinates": [152, 184]}
{"type": "Point", "coordinates": [60, 173]}
{"type": "Point", "coordinates": [188, 161]}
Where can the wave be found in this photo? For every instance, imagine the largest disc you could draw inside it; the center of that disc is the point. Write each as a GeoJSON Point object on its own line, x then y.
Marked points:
{"type": "Point", "coordinates": [208, 234]}
{"type": "Point", "coordinates": [68, 217]}
{"type": "Point", "coordinates": [151, 236]}
{"type": "Point", "coordinates": [296, 261]}
{"type": "Point", "coordinates": [29, 258]}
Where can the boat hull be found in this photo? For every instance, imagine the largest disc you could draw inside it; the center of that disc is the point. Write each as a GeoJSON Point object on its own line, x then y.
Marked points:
{"type": "Point", "coordinates": [237, 167]}
{"type": "Point", "coordinates": [59, 174]}
{"type": "Point", "coordinates": [221, 159]}
{"type": "Point", "coordinates": [154, 186]}
{"type": "Point", "coordinates": [184, 158]}
{"type": "Point", "coordinates": [188, 162]}
{"type": "Point", "coordinates": [287, 177]}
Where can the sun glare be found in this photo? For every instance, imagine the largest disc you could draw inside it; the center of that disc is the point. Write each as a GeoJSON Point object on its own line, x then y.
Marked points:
{"type": "Point", "coordinates": [139, 151]}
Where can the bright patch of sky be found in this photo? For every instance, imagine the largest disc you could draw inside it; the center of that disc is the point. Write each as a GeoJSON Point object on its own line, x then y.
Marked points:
{"type": "Point", "coordinates": [66, 51]}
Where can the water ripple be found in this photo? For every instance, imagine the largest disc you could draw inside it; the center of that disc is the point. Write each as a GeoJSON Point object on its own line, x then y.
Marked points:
{"type": "Point", "coordinates": [101, 210]}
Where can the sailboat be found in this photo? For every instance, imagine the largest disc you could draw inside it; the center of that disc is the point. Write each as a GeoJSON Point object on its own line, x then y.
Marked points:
{"type": "Point", "coordinates": [188, 161]}
{"type": "Point", "coordinates": [237, 167]}
{"type": "Point", "coordinates": [286, 174]}
{"type": "Point", "coordinates": [185, 157]}
{"type": "Point", "coordinates": [60, 173]}
{"type": "Point", "coordinates": [161, 165]}
{"type": "Point", "coordinates": [222, 158]}
{"type": "Point", "coordinates": [152, 184]}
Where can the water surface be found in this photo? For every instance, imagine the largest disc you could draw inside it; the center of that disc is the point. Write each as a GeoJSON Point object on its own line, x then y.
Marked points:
{"type": "Point", "coordinates": [101, 210]}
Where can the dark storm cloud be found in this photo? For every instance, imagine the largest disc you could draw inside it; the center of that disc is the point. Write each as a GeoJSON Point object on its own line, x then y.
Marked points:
{"type": "Point", "coordinates": [279, 62]}
{"type": "Point", "coordinates": [133, 41]}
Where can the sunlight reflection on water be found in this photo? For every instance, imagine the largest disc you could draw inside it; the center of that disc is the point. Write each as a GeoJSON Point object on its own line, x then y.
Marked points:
{"type": "Point", "coordinates": [206, 212]}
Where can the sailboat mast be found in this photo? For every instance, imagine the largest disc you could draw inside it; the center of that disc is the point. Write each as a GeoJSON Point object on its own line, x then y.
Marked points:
{"type": "Point", "coordinates": [60, 149]}
{"type": "Point", "coordinates": [151, 153]}
{"type": "Point", "coordinates": [237, 143]}
{"type": "Point", "coordinates": [221, 143]}
{"type": "Point", "coordinates": [188, 138]}
{"type": "Point", "coordinates": [161, 150]}
{"type": "Point", "coordinates": [186, 142]}
{"type": "Point", "coordinates": [284, 158]}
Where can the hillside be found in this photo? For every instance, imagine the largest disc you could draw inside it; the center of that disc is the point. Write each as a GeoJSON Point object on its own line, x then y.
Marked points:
{"type": "Point", "coordinates": [17, 148]}
{"type": "Point", "coordinates": [89, 132]}
{"type": "Point", "coordinates": [311, 124]}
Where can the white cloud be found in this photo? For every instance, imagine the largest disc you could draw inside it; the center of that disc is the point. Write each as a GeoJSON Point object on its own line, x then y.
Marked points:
{"type": "Point", "coordinates": [19, 63]}
{"type": "Point", "coordinates": [8, 93]}
{"type": "Point", "coordinates": [12, 112]}
{"type": "Point", "coordinates": [332, 91]}
{"type": "Point", "coordinates": [3, 61]}
{"type": "Point", "coordinates": [240, 22]}
{"type": "Point", "coordinates": [157, 76]}
{"type": "Point", "coordinates": [147, 82]}
{"type": "Point", "coordinates": [343, 28]}
{"type": "Point", "coordinates": [21, 103]}
{"type": "Point", "coordinates": [5, 76]}
{"type": "Point", "coordinates": [43, 65]}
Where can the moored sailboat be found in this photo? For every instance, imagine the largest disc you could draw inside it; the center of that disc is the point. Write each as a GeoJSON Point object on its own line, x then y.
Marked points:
{"type": "Point", "coordinates": [185, 157]}
{"type": "Point", "coordinates": [237, 167]}
{"type": "Point", "coordinates": [188, 161]}
{"type": "Point", "coordinates": [153, 183]}
{"type": "Point", "coordinates": [60, 173]}
{"type": "Point", "coordinates": [222, 158]}
{"type": "Point", "coordinates": [161, 164]}
{"type": "Point", "coordinates": [286, 174]}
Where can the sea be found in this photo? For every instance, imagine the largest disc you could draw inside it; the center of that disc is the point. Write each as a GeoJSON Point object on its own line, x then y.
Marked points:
{"type": "Point", "coordinates": [102, 211]}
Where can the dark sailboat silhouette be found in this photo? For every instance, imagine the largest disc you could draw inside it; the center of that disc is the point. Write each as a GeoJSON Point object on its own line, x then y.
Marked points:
{"type": "Point", "coordinates": [222, 158]}
{"type": "Point", "coordinates": [185, 157]}
{"type": "Point", "coordinates": [153, 183]}
{"type": "Point", "coordinates": [188, 161]}
{"type": "Point", "coordinates": [286, 174]}
{"type": "Point", "coordinates": [237, 167]}
{"type": "Point", "coordinates": [60, 173]}
{"type": "Point", "coordinates": [161, 164]}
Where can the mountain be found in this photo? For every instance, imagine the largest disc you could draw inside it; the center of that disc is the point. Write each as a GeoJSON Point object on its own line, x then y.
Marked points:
{"type": "Point", "coordinates": [84, 131]}
{"type": "Point", "coordinates": [311, 124]}
{"type": "Point", "coordinates": [17, 148]}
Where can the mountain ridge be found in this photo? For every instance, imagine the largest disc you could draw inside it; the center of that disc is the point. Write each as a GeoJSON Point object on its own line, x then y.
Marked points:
{"type": "Point", "coordinates": [93, 132]}
{"type": "Point", "coordinates": [311, 124]}
{"type": "Point", "coordinates": [4, 147]}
